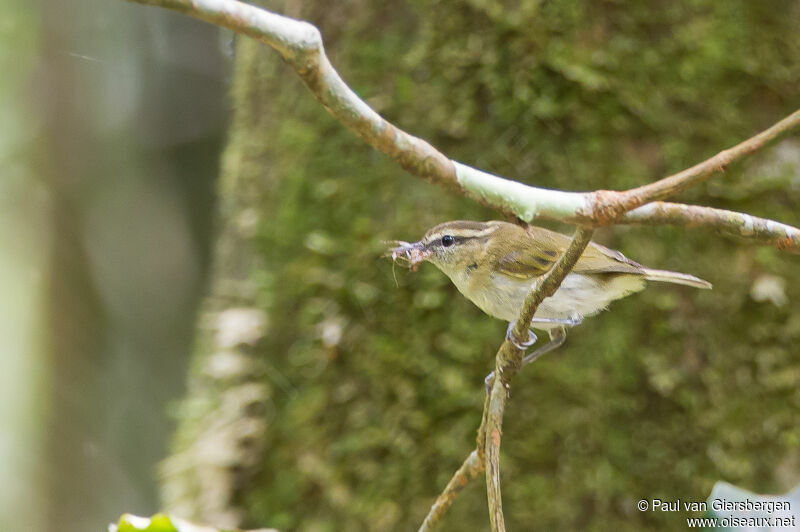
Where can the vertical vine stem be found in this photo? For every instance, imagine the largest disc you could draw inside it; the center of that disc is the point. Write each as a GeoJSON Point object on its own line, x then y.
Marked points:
{"type": "Point", "coordinates": [508, 362]}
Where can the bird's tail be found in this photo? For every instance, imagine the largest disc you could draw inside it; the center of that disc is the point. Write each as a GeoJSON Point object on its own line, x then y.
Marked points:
{"type": "Point", "coordinates": [665, 276]}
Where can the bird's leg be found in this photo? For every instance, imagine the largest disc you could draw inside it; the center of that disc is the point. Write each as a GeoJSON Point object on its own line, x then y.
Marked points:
{"type": "Point", "coordinates": [522, 347]}
{"type": "Point", "coordinates": [557, 337]}
{"type": "Point", "coordinates": [572, 321]}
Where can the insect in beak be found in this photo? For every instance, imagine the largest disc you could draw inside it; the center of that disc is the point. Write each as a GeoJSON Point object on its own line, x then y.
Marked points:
{"type": "Point", "coordinates": [412, 253]}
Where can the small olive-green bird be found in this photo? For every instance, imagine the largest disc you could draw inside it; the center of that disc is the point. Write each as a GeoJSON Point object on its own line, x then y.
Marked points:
{"type": "Point", "coordinates": [495, 264]}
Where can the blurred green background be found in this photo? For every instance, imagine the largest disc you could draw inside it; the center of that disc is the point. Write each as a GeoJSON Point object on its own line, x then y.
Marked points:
{"type": "Point", "coordinates": [323, 394]}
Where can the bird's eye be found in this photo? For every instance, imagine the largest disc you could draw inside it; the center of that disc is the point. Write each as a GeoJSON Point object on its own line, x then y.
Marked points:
{"type": "Point", "coordinates": [448, 240]}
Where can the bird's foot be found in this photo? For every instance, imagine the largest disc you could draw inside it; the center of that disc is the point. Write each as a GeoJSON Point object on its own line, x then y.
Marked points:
{"type": "Point", "coordinates": [488, 381]}
{"type": "Point", "coordinates": [557, 337]}
{"type": "Point", "coordinates": [521, 346]}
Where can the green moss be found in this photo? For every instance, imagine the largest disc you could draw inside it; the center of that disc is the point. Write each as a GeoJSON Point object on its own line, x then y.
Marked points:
{"type": "Point", "coordinates": [667, 393]}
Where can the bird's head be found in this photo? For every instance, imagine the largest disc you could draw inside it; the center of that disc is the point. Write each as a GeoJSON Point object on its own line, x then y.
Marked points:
{"type": "Point", "coordinates": [450, 246]}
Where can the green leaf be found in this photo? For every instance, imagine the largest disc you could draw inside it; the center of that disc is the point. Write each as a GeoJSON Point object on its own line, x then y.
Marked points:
{"type": "Point", "coordinates": [165, 523]}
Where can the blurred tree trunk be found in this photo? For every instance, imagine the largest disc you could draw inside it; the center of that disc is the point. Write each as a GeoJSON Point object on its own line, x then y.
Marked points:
{"type": "Point", "coordinates": [222, 441]}
{"type": "Point", "coordinates": [128, 163]}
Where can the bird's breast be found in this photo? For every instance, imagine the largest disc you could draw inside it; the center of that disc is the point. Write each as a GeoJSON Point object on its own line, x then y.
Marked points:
{"type": "Point", "coordinates": [495, 294]}
{"type": "Point", "coordinates": [502, 297]}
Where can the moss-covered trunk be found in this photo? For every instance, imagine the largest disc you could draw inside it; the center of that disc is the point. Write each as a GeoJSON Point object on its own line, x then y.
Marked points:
{"type": "Point", "coordinates": [331, 393]}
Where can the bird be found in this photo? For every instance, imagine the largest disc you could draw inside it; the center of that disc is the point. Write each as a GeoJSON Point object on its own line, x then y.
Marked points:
{"type": "Point", "coordinates": [495, 265]}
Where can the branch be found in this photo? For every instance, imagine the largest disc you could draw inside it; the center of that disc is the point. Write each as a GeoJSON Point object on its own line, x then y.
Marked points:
{"type": "Point", "coordinates": [473, 466]}
{"type": "Point", "coordinates": [508, 363]}
{"type": "Point", "coordinates": [469, 470]}
{"type": "Point", "coordinates": [300, 44]}
{"type": "Point", "coordinates": [732, 223]}
{"type": "Point", "coordinates": [698, 173]}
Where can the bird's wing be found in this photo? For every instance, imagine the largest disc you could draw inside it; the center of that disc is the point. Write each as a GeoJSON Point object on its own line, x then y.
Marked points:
{"type": "Point", "coordinates": [600, 259]}
{"type": "Point", "coordinates": [525, 263]}
{"type": "Point", "coordinates": [536, 258]}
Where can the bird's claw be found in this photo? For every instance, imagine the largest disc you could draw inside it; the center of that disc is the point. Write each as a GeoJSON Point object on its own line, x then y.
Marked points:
{"type": "Point", "coordinates": [521, 346]}
{"type": "Point", "coordinates": [488, 381]}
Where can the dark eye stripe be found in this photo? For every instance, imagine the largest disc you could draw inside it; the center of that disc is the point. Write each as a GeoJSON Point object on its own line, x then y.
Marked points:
{"type": "Point", "coordinates": [435, 240]}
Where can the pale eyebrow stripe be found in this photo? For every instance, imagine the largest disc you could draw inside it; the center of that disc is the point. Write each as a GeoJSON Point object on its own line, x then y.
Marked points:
{"type": "Point", "coordinates": [463, 233]}
{"type": "Point", "coordinates": [486, 232]}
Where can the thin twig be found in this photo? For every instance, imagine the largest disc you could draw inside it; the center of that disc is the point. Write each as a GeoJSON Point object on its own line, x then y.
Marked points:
{"type": "Point", "coordinates": [469, 470]}
{"type": "Point", "coordinates": [508, 362]}
{"type": "Point", "coordinates": [300, 44]}
{"type": "Point", "coordinates": [669, 186]}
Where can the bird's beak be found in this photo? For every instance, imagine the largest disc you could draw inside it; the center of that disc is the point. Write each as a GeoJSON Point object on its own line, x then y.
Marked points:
{"type": "Point", "coordinates": [414, 253]}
